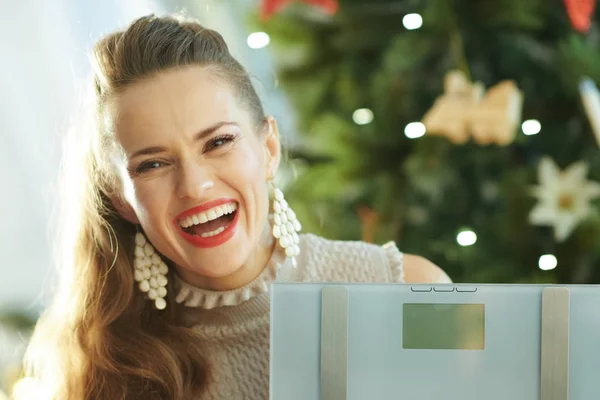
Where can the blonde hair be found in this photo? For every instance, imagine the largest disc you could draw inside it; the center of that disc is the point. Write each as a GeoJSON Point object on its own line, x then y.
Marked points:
{"type": "Point", "coordinates": [100, 339]}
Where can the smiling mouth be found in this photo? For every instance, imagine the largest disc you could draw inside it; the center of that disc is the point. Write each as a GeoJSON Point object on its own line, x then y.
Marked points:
{"type": "Point", "coordinates": [211, 222]}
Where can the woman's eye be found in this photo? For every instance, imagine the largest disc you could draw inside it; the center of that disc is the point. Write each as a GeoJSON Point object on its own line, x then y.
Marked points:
{"type": "Point", "coordinates": [149, 165]}
{"type": "Point", "coordinates": [219, 142]}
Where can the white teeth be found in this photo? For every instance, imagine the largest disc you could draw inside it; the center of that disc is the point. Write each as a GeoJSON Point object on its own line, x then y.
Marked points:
{"type": "Point", "coordinates": [213, 233]}
{"type": "Point", "coordinates": [208, 215]}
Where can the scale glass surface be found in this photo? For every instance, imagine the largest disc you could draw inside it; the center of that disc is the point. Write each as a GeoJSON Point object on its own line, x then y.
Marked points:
{"type": "Point", "coordinates": [454, 342]}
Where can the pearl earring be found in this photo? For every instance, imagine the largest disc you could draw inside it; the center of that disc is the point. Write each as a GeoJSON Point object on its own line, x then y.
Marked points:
{"type": "Point", "coordinates": [150, 271]}
{"type": "Point", "coordinates": [285, 225]}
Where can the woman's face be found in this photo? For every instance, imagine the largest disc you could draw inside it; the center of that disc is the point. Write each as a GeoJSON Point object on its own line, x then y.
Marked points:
{"type": "Point", "coordinates": [195, 169]}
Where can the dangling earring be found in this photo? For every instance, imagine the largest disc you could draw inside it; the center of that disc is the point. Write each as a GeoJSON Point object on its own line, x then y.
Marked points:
{"type": "Point", "coordinates": [150, 271]}
{"type": "Point", "coordinates": [285, 225]}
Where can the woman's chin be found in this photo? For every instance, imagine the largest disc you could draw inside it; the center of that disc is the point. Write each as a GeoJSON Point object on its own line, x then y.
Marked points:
{"type": "Point", "coordinates": [229, 265]}
{"type": "Point", "coordinates": [218, 269]}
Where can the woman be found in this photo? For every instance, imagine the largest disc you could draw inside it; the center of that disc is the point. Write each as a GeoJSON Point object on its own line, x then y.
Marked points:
{"type": "Point", "coordinates": [180, 231]}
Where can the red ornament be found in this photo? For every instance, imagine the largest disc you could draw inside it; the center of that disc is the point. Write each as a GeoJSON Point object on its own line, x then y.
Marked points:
{"type": "Point", "coordinates": [580, 13]}
{"type": "Point", "coordinates": [270, 7]}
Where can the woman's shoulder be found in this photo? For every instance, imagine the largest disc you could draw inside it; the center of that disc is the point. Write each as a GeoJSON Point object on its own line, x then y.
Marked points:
{"type": "Point", "coordinates": [350, 261]}
{"type": "Point", "coordinates": [327, 260]}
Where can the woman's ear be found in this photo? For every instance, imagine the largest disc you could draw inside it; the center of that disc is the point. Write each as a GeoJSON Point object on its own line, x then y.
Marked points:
{"type": "Point", "coordinates": [124, 209]}
{"type": "Point", "coordinates": [272, 148]}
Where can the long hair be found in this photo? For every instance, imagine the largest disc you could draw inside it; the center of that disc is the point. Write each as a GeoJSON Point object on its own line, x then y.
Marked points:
{"type": "Point", "coordinates": [100, 339]}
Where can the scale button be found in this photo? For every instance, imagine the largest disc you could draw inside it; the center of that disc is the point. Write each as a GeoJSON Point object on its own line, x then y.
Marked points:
{"type": "Point", "coordinates": [470, 289]}
{"type": "Point", "coordinates": [420, 289]}
{"type": "Point", "coordinates": [443, 289]}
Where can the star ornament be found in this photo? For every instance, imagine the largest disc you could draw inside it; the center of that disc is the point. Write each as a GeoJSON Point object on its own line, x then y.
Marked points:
{"type": "Point", "coordinates": [564, 197]}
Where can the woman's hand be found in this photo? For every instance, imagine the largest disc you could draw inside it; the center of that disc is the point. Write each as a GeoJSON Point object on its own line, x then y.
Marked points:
{"type": "Point", "coordinates": [420, 270]}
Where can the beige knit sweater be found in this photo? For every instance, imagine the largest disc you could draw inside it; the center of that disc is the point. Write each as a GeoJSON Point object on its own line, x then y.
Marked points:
{"type": "Point", "coordinates": [235, 324]}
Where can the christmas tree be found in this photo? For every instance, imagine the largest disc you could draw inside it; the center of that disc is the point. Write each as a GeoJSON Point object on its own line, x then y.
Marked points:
{"type": "Point", "coordinates": [501, 186]}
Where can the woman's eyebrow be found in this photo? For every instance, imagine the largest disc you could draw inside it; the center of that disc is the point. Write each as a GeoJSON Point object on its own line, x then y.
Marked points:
{"type": "Point", "coordinates": [197, 137]}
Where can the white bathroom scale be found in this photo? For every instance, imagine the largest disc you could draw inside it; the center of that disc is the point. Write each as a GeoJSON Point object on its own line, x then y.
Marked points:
{"type": "Point", "coordinates": [424, 342]}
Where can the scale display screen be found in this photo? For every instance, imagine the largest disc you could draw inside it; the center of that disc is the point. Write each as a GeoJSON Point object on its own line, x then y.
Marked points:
{"type": "Point", "coordinates": [431, 326]}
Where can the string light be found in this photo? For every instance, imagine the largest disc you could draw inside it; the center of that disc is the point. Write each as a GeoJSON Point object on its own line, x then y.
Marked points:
{"type": "Point", "coordinates": [547, 262]}
{"type": "Point", "coordinates": [466, 238]}
{"type": "Point", "coordinates": [414, 130]}
{"type": "Point", "coordinates": [531, 127]}
{"type": "Point", "coordinates": [412, 21]}
{"type": "Point", "coordinates": [362, 116]}
{"type": "Point", "coordinates": [258, 40]}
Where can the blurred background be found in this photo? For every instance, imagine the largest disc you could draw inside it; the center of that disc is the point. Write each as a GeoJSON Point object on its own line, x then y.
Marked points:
{"type": "Point", "coordinates": [465, 130]}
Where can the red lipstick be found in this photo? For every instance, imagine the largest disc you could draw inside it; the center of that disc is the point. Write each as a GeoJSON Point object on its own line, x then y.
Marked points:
{"type": "Point", "coordinates": [211, 241]}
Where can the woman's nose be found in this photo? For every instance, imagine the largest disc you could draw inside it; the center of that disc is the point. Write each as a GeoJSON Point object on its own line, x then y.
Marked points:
{"type": "Point", "coordinates": [193, 182]}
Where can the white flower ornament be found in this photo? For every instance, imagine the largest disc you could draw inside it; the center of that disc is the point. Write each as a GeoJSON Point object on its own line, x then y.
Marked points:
{"type": "Point", "coordinates": [564, 197]}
